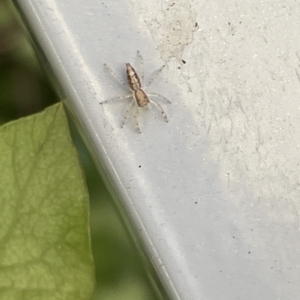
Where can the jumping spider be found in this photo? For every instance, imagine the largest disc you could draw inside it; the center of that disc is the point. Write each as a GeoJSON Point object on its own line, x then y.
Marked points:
{"type": "Point", "coordinates": [140, 98]}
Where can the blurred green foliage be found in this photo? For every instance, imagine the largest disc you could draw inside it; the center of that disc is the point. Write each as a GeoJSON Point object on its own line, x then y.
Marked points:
{"type": "Point", "coordinates": [121, 272]}
{"type": "Point", "coordinates": [24, 87]}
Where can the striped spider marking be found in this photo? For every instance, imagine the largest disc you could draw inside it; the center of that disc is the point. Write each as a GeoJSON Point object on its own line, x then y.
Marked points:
{"type": "Point", "coordinates": [140, 98]}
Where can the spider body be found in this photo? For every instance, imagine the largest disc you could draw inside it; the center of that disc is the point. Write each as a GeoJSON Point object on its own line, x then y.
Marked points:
{"type": "Point", "coordinates": [141, 99]}
{"type": "Point", "coordinates": [134, 83]}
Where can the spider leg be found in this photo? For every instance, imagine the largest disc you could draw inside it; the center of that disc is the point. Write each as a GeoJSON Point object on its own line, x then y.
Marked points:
{"type": "Point", "coordinates": [116, 76]}
{"type": "Point", "coordinates": [116, 98]}
{"type": "Point", "coordinates": [141, 65]}
{"type": "Point", "coordinates": [126, 113]}
{"type": "Point", "coordinates": [155, 75]}
{"type": "Point", "coordinates": [160, 109]}
{"type": "Point", "coordinates": [159, 95]}
{"type": "Point", "coordinates": [135, 115]}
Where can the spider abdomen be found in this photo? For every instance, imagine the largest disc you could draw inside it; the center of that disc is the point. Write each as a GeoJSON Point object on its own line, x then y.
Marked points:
{"type": "Point", "coordinates": [132, 78]}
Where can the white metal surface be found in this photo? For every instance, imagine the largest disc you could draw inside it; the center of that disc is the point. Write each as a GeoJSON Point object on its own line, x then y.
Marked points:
{"type": "Point", "coordinates": [214, 193]}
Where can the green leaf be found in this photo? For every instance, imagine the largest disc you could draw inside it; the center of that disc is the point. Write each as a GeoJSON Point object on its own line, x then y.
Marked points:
{"type": "Point", "coordinates": [45, 248]}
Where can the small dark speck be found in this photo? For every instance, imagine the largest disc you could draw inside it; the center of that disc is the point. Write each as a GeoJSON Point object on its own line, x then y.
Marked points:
{"type": "Point", "coordinates": [249, 252]}
{"type": "Point", "coordinates": [196, 202]}
{"type": "Point", "coordinates": [183, 61]}
{"type": "Point", "coordinates": [140, 166]}
{"type": "Point", "coordinates": [229, 23]}
{"type": "Point", "coordinates": [233, 236]}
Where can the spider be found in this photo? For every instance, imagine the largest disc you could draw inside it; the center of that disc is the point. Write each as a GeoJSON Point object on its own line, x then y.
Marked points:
{"type": "Point", "coordinates": [140, 98]}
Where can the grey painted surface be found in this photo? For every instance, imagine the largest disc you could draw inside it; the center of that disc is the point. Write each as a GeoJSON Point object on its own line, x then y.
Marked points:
{"type": "Point", "coordinates": [214, 193]}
